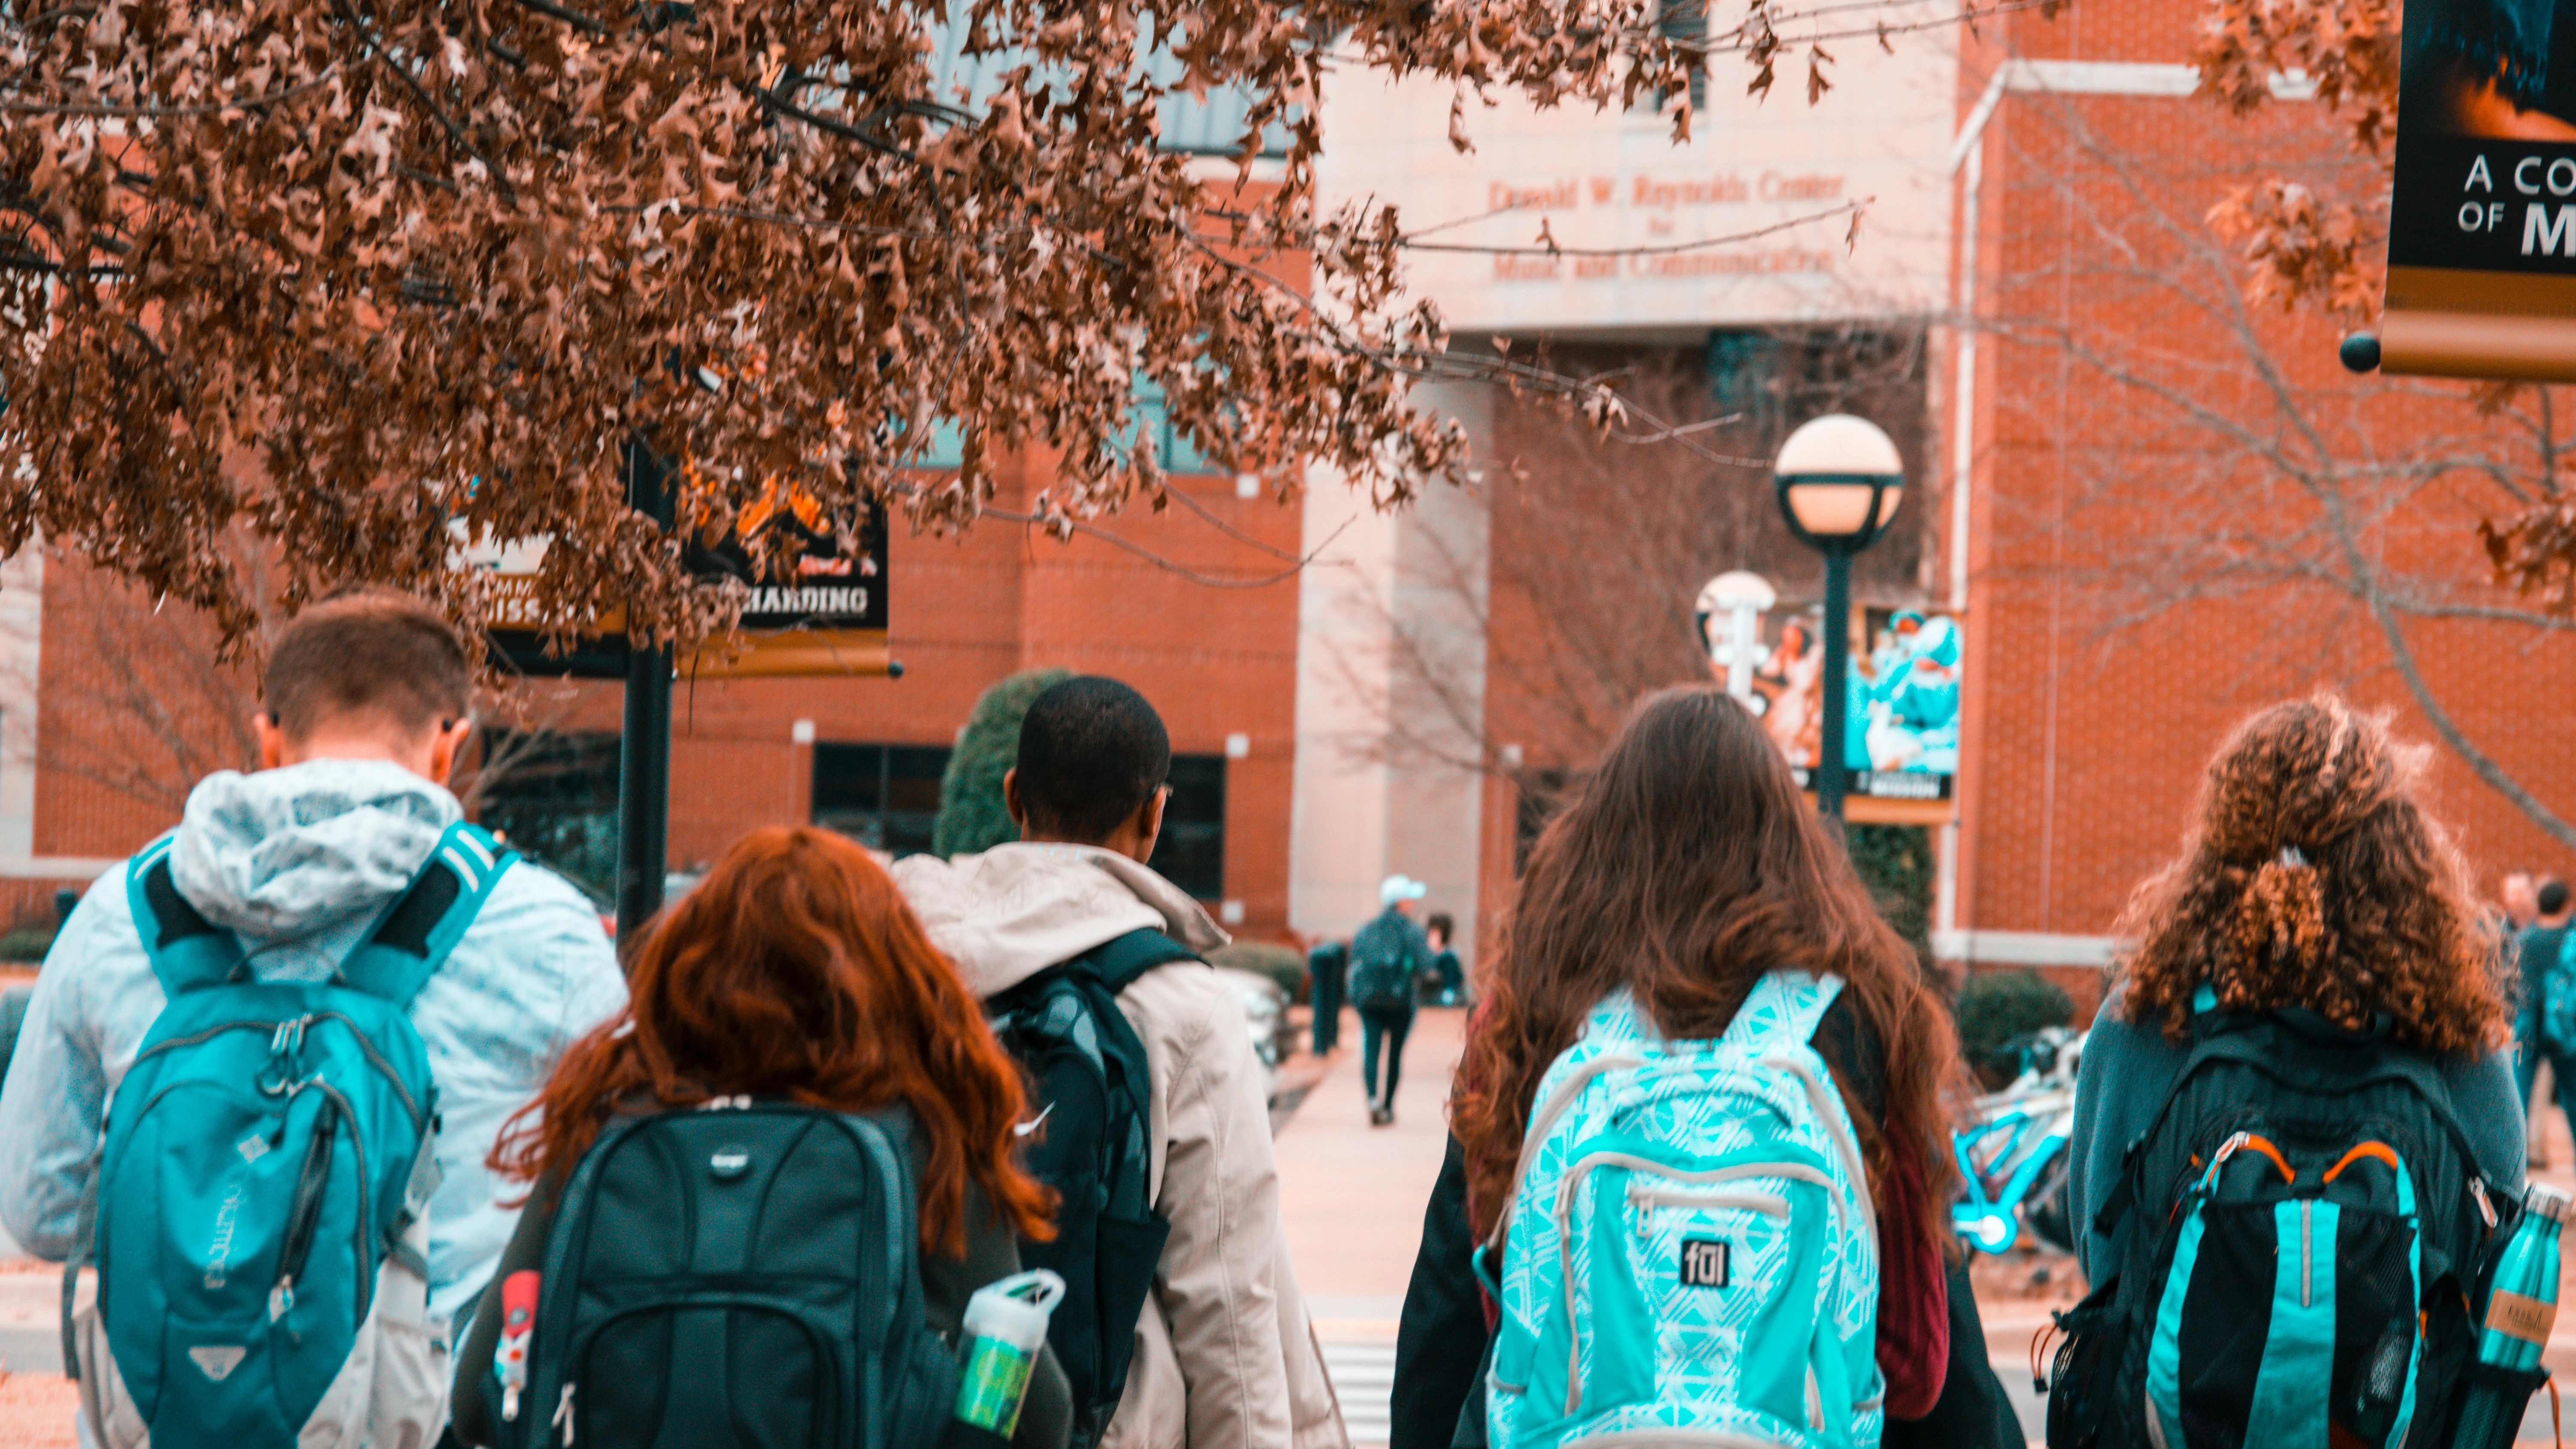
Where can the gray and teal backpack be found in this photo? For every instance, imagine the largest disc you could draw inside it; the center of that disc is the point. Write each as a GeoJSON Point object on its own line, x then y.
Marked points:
{"type": "Point", "coordinates": [2306, 1222]}
{"type": "Point", "coordinates": [257, 1216]}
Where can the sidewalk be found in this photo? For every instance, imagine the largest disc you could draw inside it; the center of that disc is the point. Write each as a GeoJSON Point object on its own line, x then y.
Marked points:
{"type": "Point", "coordinates": [1352, 1197]}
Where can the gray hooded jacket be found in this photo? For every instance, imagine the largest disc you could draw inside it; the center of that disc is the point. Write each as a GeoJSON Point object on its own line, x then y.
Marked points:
{"type": "Point", "coordinates": [298, 862]}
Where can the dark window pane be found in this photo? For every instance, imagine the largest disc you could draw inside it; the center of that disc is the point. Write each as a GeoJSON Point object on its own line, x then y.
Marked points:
{"type": "Point", "coordinates": [1191, 852]}
{"type": "Point", "coordinates": [1542, 793]}
{"type": "Point", "coordinates": [885, 797]}
{"type": "Point", "coordinates": [553, 796]}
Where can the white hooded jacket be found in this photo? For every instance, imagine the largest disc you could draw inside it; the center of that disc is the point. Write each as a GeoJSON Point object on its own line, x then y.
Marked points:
{"type": "Point", "coordinates": [1225, 1355]}
{"type": "Point", "coordinates": [299, 862]}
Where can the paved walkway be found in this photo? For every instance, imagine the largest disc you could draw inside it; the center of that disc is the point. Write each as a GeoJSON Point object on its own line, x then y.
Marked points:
{"type": "Point", "coordinates": [1352, 1196]}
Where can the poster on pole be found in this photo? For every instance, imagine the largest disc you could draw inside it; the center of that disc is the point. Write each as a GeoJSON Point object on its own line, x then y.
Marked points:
{"type": "Point", "coordinates": [2482, 224]}
{"type": "Point", "coordinates": [829, 618]}
{"type": "Point", "coordinates": [1902, 722]}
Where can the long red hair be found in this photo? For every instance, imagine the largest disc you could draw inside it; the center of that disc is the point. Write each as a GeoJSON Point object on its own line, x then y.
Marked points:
{"type": "Point", "coordinates": [796, 971]}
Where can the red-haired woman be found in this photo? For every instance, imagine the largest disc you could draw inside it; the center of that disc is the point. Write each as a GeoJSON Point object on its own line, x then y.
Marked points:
{"type": "Point", "coordinates": [795, 972]}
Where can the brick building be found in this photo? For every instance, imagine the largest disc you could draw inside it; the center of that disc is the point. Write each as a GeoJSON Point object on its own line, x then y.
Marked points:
{"type": "Point", "coordinates": [2152, 506]}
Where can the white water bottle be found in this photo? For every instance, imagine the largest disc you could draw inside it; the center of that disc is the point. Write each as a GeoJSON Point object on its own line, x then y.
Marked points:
{"type": "Point", "coordinates": [1006, 1325]}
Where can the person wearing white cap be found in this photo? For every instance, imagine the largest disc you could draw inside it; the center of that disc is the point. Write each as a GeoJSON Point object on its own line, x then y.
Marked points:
{"type": "Point", "coordinates": [1388, 957]}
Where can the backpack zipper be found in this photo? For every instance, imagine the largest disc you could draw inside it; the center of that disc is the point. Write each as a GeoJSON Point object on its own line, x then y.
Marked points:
{"type": "Point", "coordinates": [1767, 1204]}
{"type": "Point", "coordinates": [563, 1413]}
{"type": "Point", "coordinates": [305, 1216]}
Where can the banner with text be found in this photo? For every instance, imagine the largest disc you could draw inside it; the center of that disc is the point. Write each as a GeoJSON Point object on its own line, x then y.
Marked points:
{"type": "Point", "coordinates": [2482, 228]}
{"type": "Point", "coordinates": [829, 619]}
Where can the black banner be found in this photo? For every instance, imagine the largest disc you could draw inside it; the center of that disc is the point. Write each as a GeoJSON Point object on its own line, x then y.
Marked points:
{"type": "Point", "coordinates": [2482, 224]}
{"type": "Point", "coordinates": [830, 618]}
{"type": "Point", "coordinates": [2471, 204]}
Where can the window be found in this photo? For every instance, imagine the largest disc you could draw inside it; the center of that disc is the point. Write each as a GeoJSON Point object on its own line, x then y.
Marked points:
{"type": "Point", "coordinates": [1542, 794]}
{"type": "Point", "coordinates": [885, 797]}
{"type": "Point", "coordinates": [553, 796]}
{"type": "Point", "coordinates": [1191, 852]}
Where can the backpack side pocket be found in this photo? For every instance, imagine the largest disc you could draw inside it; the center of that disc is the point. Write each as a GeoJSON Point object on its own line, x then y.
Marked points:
{"type": "Point", "coordinates": [2084, 1373]}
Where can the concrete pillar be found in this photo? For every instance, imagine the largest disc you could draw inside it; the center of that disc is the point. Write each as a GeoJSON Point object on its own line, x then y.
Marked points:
{"type": "Point", "coordinates": [1391, 748]}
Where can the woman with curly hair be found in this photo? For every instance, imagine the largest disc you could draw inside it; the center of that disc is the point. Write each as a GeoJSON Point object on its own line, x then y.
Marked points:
{"type": "Point", "coordinates": [2312, 884]}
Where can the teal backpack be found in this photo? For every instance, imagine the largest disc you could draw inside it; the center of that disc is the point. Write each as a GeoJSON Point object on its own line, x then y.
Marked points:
{"type": "Point", "coordinates": [258, 1207]}
{"type": "Point", "coordinates": [2558, 998]}
{"type": "Point", "coordinates": [1690, 1254]}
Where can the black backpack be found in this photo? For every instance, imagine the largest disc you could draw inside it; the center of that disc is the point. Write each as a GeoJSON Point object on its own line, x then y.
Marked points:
{"type": "Point", "coordinates": [2307, 1224]}
{"type": "Point", "coordinates": [737, 1275]}
{"type": "Point", "coordinates": [1089, 1096]}
{"type": "Point", "coordinates": [1383, 964]}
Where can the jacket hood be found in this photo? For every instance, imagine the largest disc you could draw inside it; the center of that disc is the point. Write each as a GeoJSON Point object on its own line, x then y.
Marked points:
{"type": "Point", "coordinates": [286, 853]}
{"type": "Point", "coordinates": [1013, 911]}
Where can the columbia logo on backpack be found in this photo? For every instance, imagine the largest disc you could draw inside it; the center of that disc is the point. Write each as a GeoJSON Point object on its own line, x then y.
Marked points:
{"type": "Point", "coordinates": [2306, 1222]}
{"type": "Point", "coordinates": [257, 1213]}
{"type": "Point", "coordinates": [1691, 1257]}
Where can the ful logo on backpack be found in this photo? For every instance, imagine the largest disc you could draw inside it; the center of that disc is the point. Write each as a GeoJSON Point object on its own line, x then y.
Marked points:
{"type": "Point", "coordinates": [258, 1206]}
{"type": "Point", "coordinates": [1691, 1254]}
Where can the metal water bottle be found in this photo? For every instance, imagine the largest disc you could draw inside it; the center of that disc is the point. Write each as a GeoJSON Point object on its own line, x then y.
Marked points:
{"type": "Point", "coordinates": [1006, 1325]}
{"type": "Point", "coordinates": [2522, 1305]}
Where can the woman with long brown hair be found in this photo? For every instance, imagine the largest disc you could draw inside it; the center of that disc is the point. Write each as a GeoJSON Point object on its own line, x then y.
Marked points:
{"type": "Point", "coordinates": [795, 972]}
{"type": "Point", "coordinates": [1686, 869]}
{"type": "Point", "coordinates": [2311, 881]}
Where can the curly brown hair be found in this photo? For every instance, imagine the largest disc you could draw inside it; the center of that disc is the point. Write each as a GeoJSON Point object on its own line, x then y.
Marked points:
{"type": "Point", "coordinates": [2313, 877]}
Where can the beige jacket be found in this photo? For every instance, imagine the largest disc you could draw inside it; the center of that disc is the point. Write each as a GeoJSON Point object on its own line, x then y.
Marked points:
{"type": "Point", "coordinates": [1225, 1355]}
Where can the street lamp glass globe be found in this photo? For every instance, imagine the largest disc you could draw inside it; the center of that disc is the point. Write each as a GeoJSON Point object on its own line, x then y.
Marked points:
{"type": "Point", "coordinates": [1840, 510]}
{"type": "Point", "coordinates": [1828, 470]}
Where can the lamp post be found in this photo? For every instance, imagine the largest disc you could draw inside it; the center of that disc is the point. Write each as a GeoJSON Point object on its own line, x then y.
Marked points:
{"type": "Point", "coordinates": [1839, 479]}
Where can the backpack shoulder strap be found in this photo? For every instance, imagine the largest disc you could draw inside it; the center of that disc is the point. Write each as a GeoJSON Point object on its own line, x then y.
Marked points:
{"type": "Point", "coordinates": [187, 951]}
{"type": "Point", "coordinates": [424, 925]}
{"type": "Point", "coordinates": [1783, 1006]}
{"type": "Point", "coordinates": [1117, 962]}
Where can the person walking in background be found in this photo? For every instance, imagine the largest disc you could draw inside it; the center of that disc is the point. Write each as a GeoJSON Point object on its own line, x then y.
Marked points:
{"type": "Point", "coordinates": [2520, 896]}
{"type": "Point", "coordinates": [1219, 1353]}
{"type": "Point", "coordinates": [793, 973]}
{"type": "Point", "coordinates": [283, 880]}
{"type": "Point", "coordinates": [1440, 930]}
{"type": "Point", "coordinates": [2311, 986]}
{"type": "Point", "coordinates": [1328, 966]}
{"type": "Point", "coordinates": [1690, 941]}
{"type": "Point", "coordinates": [2546, 1025]}
{"type": "Point", "coordinates": [1388, 957]}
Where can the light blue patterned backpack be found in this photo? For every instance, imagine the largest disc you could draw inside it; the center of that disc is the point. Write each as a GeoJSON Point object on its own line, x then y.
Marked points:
{"type": "Point", "coordinates": [1691, 1256]}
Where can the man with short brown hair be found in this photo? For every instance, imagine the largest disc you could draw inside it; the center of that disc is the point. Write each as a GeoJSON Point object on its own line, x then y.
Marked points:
{"type": "Point", "coordinates": [366, 701]}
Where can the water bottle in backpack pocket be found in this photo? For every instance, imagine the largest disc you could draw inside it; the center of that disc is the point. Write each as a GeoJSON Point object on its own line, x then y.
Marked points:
{"type": "Point", "coordinates": [2313, 1220]}
{"type": "Point", "coordinates": [1691, 1256]}
{"type": "Point", "coordinates": [1090, 1099]}
{"type": "Point", "coordinates": [258, 1211]}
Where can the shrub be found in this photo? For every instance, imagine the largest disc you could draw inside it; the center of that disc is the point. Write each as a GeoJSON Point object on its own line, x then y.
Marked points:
{"type": "Point", "coordinates": [27, 943]}
{"type": "Point", "coordinates": [1283, 964]}
{"type": "Point", "coordinates": [1895, 862]}
{"type": "Point", "coordinates": [1996, 1006]}
{"type": "Point", "coordinates": [972, 816]}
